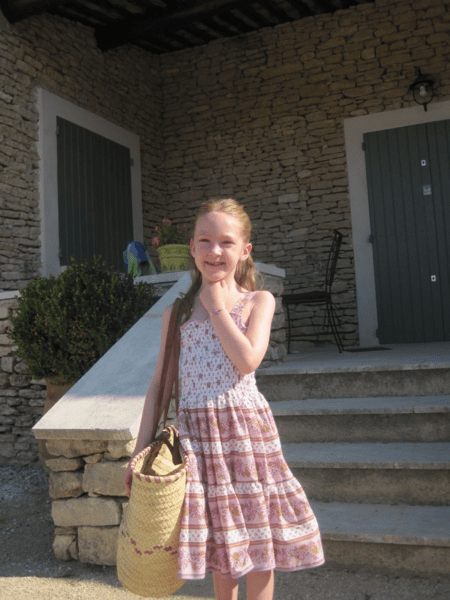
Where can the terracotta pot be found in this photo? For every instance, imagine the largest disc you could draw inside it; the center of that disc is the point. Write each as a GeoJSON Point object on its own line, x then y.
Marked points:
{"type": "Point", "coordinates": [174, 257]}
{"type": "Point", "coordinates": [55, 391]}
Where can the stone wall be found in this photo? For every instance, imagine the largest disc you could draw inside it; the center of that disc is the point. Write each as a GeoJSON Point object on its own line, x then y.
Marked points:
{"type": "Point", "coordinates": [122, 86]}
{"type": "Point", "coordinates": [86, 484]}
{"type": "Point", "coordinates": [21, 397]}
{"type": "Point", "coordinates": [260, 118]}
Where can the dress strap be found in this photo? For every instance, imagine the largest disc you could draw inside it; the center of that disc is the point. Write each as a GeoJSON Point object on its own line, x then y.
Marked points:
{"type": "Point", "coordinates": [239, 306]}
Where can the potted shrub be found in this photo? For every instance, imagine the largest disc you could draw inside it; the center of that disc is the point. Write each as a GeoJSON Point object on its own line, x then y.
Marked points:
{"type": "Point", "coordinates": [64, 324]}
{"type": "Point", "coordinates": [172, 247]}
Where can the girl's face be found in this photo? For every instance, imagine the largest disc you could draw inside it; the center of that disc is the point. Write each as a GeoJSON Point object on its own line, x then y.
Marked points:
{"type": "Point", "coordinates": [218, 246]}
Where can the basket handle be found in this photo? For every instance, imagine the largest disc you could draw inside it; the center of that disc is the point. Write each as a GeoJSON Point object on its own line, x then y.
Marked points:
{"type": "Point", "coordinates": [171, 356]}
{"type": "Point", "coordinates": [164, 438]}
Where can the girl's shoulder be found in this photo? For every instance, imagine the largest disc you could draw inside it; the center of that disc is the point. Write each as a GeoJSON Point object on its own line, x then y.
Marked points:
{"type": "Point", "coordinates": [260, 301]}
{"type": "Point", "coordinates": [260, 296]}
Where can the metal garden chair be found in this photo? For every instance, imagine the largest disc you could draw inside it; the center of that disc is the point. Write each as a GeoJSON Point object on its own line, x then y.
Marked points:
{"type": "Point", "coordinates": [322, 296]}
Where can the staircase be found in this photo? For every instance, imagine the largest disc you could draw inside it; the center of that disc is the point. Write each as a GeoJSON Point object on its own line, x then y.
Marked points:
{"type": "Point", "coordinates": [369, 439]}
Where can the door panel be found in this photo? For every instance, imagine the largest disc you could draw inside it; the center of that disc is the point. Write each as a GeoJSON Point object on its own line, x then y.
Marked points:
{"type": "Point", "coordinates": [408, 176]}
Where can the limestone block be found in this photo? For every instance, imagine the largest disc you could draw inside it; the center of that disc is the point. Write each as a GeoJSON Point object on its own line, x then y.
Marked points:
{"type": "Point", "coordinates": [21, 367]}
{"type": "Point", "coordinates": [278, 336]}
{"type": "Point", "coordinates": [73, 448]}
{"type": "Point", "coordinates": [6, 307]}
{"type": "Point", "coordinates": [65, 485]}
{"type": "Point", "coordinates": [98, 545]}
{"type": "Point", "coordinates": [95, 512]}
{"type": "Point", "coordinates": [5, 340]}
{"type": "Point", "coordinates": [119, 449]}
{"type": "Point", "coordinates": [272, 284]}
{"type": "Point", "coordinates": [105, 478]}
{"type": "Point", "coordinates": [278, 321]}
{"type": "Point", "coordinates": [19, 380]}
{"type": "Point", "coordinates": [65, 547]}
{"type": "Point", "coordinates": [93, 458]}
{"type": "Point", "coordinates": [65, 464]}
{"type": "Point", "coordinates": [7, 364]}
{"type": "Point", "coordinates": [4, 380]}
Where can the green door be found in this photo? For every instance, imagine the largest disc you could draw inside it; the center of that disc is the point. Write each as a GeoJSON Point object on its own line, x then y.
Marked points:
{"type": "Point", "coordinates": [408, 177]}
{"type": "Point", "coordinates": [94, 195]}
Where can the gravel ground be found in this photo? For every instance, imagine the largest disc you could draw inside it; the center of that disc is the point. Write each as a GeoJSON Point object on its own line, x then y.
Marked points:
{"type": "Point", "coordinates": [29, 571]}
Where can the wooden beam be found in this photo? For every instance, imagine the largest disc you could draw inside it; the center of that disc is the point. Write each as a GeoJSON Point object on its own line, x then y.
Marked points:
{"type": "Point", "coordinates": [279, 14]}
{"type": "Point", "coordinates": [238, 24]}
{"type": "Point", "coordinates": [326, 6]}
{"type": "Point", "coordinates": [222, 30]}
{"type": "Point", "coordinates": [253, 15]}
{"type": "Point", "coordinates": [16, 10]}
{"type": "Point", "coordinates": [130, 30]}
{"type": "Point", "coordinates": [301, 7]}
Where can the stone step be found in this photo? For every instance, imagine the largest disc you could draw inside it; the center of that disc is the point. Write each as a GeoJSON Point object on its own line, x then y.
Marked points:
{"type": "Point", "coordinates": [411, 538]}
{"type": "Point", "coordinates": [382, 419]}
{"type": "Point", "coordinates": [392, 473]}
{"type": "Point", "coordinates": [296, 381]}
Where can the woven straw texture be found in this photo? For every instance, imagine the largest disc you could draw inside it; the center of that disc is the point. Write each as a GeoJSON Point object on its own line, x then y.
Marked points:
{"type": "Point", "coordinates": [147, 554]}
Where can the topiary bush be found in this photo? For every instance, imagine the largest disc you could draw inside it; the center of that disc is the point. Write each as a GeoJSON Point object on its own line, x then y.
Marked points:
{"type": "Point", "coordinates": [64, 324]}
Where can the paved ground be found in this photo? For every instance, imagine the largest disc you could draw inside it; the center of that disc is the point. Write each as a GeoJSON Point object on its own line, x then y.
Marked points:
{"type": "Point", "coordinates": [28, 570]}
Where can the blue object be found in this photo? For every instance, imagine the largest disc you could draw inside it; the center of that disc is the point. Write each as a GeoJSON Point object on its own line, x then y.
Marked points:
{"type": "Point", "coordinates": [137, 260]}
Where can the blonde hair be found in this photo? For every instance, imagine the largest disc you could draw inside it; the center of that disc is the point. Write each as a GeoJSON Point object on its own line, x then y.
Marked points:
{"type": "Point", "coordinates": [245, 274]}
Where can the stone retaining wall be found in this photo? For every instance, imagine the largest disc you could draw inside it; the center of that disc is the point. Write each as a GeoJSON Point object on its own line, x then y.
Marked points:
{"type": "Point", "coordinates": [21, 397]}
{"type": "Point", "coordinates": [86, 484]}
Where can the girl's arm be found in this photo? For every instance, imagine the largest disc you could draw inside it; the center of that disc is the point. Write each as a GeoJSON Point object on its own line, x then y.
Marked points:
{"type": "Point", "coordinates": [148, 413]}
{"type": "Point", "coordinates": [246, 351]}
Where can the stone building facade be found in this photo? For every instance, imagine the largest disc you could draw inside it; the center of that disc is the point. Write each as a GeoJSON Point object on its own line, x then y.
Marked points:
{"type": "Point", "coordinates": [258, 117]}
{"type": "Point", "coordinates": [122, 86]}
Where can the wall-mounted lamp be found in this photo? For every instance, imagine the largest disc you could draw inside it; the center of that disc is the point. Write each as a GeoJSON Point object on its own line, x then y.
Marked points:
{"type": "Point", "coordinates": [422, 89]}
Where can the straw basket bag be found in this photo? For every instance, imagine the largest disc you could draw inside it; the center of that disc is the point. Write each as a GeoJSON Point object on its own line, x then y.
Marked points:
{"type": "Point", "coordinates": [147, 562]}
{"type": "Point", "coordinates": [147, 552]}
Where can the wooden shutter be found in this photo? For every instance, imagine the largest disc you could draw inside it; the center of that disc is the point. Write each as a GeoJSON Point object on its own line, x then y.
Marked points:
{"type": "Point", "coordinates": [94, 195]}
{"type": "Point", "coordinates": [408, 178]}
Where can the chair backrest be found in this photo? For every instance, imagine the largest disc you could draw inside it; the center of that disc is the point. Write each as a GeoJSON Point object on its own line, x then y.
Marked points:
{"type": "Point", "coordinates": [332, 259]}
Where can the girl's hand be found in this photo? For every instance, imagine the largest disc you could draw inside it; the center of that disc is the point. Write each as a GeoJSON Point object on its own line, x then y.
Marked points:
{"type": "Point", "coordinates": [128, 480]}
{"type": "Point", "coordinates": [213, 295]}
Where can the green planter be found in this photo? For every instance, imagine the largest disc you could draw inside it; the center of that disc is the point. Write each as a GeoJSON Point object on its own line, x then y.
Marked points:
{"type": "Point", "coordinates": [174, 257]}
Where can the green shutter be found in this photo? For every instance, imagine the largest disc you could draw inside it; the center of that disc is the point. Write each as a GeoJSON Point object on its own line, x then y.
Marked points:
{"type": "Point", "coordinates": [94, 195]}
{"type": "Point", "coordinates": [408, 180]}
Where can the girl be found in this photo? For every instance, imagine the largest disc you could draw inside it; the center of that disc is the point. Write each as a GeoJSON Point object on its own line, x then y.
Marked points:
{"type": "Point", "coordinates": [244, 512]}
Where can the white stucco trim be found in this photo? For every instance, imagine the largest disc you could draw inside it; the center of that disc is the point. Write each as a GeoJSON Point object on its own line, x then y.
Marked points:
{"type": "Point", "coordinates": [50, 107]}
{"type": "Point", "coordinates": [354, 129]}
